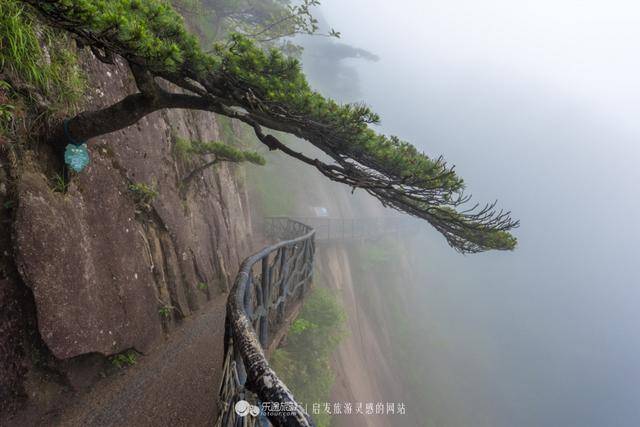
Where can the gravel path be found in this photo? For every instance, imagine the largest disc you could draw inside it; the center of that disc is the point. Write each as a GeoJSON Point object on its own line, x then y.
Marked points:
{"type": "Point", "coordinates": [175, 385]}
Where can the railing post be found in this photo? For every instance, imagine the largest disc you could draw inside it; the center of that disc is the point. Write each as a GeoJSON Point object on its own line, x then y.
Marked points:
{"type": "Point", "coordinates": [279, 262]}
{"type": "Point", "coordinates": [266, 302]}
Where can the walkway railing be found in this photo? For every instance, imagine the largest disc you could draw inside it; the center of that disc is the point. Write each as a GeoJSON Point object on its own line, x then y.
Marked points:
{"type": "Point", "coordinates": [267, 291]}
{"type": "Point", "coordinates": [346, 229]}
{"type": "Point", "coordinates": [270, 284]}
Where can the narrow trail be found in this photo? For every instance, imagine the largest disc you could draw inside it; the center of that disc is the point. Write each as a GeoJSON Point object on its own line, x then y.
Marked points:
{"type": "Point", "coordinates": [176, 384]}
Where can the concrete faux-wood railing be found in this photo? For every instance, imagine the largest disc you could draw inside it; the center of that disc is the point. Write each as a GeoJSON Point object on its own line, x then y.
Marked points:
{"type": "Point", "coordinates": [265, 297]}
{"type": "Point", "coordinates": [269, 286]}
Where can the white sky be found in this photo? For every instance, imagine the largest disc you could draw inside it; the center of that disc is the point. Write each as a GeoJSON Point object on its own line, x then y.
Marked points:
{"type": "Point", "coordinates": [537, 104]}
{"type": "Point", "coordinates": [586, 47]}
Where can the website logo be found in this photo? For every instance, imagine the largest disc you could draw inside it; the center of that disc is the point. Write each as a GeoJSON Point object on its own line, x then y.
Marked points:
{"type": "Point", "coordinates": [244, 408]}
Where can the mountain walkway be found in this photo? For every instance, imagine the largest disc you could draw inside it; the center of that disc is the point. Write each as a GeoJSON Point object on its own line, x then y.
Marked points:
{"type": "Point", "coordinates": [266, 296]}
{"type": "Point", "coordinates": [172, 385]}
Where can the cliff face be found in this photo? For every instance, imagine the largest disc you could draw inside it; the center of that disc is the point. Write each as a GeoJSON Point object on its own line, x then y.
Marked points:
{"type": "Point", "coordinates": [106, 273]}
{"type": "Point", "coordinates": [363, 364]}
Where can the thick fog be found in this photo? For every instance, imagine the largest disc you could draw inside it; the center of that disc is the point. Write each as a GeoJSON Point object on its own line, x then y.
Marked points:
{"type": "Point", "coordinates": [537, 104]}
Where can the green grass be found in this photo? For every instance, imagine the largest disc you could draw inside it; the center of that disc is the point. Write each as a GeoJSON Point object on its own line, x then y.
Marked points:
{"type": "Point", "coordinates": [7, 108]}
{"type": "Point", "coordinates": [40, 77]}
{"type": "Point", "coordinates": [164, 311]}
{"type": "Point", "coordinates": [126, 358]}
{"type": "Point", "coordinates": [143, 194]}
{"type": "Point", "coordinates": [6, 113]}
{"type": "Point", "coordinates": [55, 75]}
{"type": "Point", "coordinates": [20, 50]}
{"type": "Point", "coordinates": [68, 81]}
{"type": "Point", "coordinates": [60, 184]}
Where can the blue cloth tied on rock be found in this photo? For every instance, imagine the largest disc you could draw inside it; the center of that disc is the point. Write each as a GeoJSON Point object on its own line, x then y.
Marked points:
{"type": "Point", "coordinates": [76, 154]}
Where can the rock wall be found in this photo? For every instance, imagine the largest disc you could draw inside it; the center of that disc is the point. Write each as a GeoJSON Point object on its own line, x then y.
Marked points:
{"type": "Point", "coordinates": [106, 274]}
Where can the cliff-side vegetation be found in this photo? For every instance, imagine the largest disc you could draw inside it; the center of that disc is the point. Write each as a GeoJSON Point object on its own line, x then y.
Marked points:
{"type": "Point", "coordinates": [304, 362]}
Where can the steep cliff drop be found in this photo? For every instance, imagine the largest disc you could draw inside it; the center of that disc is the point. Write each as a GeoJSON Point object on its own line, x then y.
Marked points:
{"type": "Point", "coordinates": [363, 365]}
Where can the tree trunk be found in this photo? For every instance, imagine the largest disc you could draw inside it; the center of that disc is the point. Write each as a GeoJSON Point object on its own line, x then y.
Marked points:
{"type": "Point", "coordinates": [127, 112]}
{"type": "Point", "coordinates": [120, 115]}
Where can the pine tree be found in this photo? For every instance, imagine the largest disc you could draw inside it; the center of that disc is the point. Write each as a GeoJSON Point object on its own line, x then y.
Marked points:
{"type": "Point", "coordinates": [266, 89]}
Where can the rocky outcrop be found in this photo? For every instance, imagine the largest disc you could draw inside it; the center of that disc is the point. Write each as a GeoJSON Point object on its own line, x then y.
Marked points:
{"type": "Point", "coordinates": [107, 276]}
{"type": "Point", "coordinates": [83, 257]}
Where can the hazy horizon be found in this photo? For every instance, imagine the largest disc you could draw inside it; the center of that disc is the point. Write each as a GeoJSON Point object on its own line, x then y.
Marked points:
{"type": "Point", "coordinates": [535, 105]}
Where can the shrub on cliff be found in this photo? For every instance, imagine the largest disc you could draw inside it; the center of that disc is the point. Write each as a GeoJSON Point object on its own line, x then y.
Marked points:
{"type": "Point", "coordinates": [211, 153]}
